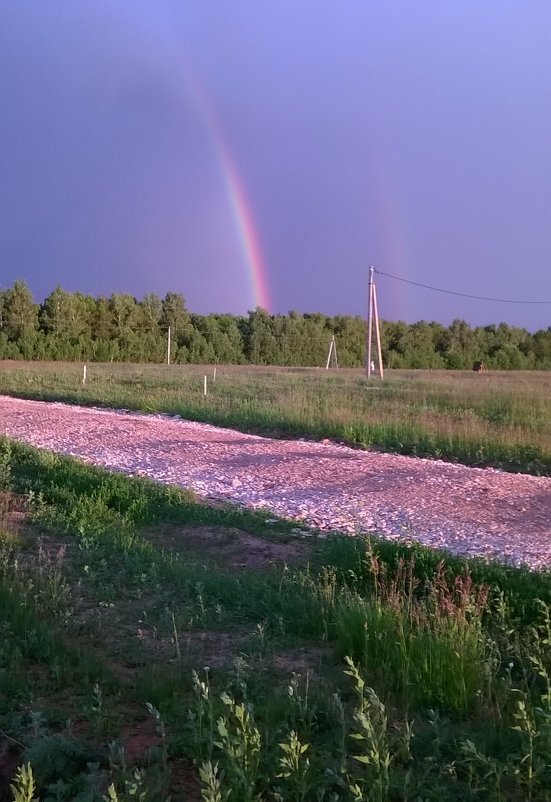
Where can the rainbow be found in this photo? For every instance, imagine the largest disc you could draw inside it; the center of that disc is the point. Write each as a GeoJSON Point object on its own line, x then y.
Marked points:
{"type": "Point", "coordinates": [239, 203]}
{"type": "Point", "coordinates": [392, 249]}
{"type": "Point", "coordinates": [165, 54]}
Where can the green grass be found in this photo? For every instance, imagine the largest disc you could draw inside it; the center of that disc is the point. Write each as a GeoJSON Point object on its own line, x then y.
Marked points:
{"type": "Point", "coordinates": [496, 418]}
{"type": "Point", "coordinates": [140, 659]}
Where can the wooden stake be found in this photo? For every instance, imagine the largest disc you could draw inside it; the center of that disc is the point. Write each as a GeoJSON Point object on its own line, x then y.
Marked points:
{"type": "Point", "coordinates": [84, 374]}
{"type": "Point", "coordinates": [205, 386]}
{"type": "Point", "coordinates": [168, 348]}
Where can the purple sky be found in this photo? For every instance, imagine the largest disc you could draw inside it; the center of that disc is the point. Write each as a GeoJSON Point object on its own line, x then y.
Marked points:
{"type": "Point", "coordinates": [412, 136]}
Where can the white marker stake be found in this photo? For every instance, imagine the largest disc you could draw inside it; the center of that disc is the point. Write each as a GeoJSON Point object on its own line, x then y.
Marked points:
{"type": "Point", "coordinates": [214, 375]}
{"type": "Point", "coordinates": [205, 386]}
{"type": "Point", "coordinates": [84, 375]}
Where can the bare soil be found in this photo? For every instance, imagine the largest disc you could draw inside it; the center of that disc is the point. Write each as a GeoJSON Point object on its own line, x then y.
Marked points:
{"type": "Point", "coordinates": [229, 548]}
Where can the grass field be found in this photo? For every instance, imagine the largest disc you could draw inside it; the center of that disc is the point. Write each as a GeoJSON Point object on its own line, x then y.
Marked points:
{"type": "Point", "coordinates": [153, 647]}
{"type": "Point", "coordinates": [497, 418]}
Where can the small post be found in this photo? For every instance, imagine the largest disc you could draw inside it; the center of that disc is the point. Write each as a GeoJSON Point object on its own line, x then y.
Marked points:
{"type": "Point", "coordinates": [205, 385]}
{"type": "Point", "coordinates": [168, 348]}
{"type": "Point", "coordinates": [84, 374]}
{"type": "Point", "coordinates": [214, 375]}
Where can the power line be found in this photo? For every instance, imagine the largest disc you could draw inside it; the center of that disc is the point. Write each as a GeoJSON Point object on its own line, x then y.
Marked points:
{"type": "Point", "coordinates": [461, 294]}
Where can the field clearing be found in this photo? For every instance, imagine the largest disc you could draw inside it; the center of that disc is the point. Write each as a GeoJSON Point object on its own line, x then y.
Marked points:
{"type": "Point", "coordinates": [154, 646]}
{"type": "Point", "coordinates": [497, 418]}
{"type": "Point", "coordinates": [158, 648]}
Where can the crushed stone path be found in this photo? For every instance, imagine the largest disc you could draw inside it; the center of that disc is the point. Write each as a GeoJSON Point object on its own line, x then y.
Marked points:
{"type": "Point", "coordinates": [469, 511]}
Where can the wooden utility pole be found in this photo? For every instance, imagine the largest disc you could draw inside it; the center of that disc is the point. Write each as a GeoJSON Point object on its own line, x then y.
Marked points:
{"type": "Point", "coordinates": [373, 317]}
{"type": "Point", "coordinates": [332, 355]}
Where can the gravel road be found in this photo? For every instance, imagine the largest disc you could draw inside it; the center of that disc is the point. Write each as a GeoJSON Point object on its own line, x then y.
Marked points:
{"type": "Point", "coordinates": [471, 511]}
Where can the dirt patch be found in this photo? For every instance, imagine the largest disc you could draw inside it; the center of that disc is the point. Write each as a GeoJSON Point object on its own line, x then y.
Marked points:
{"type": "Point", "coordinates": [138, 739]}
{"type": "Point", "coordinates": [302, 661]}
{"type": "Point", "coordinates": [12, 513]}
{"type": "Point", "coordinates": [198, 649]}
{"type": "Point", "coordinates": [230, 548]}
{"type": "Point", "coordinates": [38, 546]}
{"type": "Point", "coordinates": [184, 783]}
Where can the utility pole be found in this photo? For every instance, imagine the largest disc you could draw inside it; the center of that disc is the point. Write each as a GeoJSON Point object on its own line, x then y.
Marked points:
{"type": "Point", "coordinates": [332, 354]}
{"type": "Point", "coordinates": [373, 317]}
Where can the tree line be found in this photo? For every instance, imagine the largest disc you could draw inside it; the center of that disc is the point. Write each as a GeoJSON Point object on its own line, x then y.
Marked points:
{"type": "Point", "coordinates": [76, 327]}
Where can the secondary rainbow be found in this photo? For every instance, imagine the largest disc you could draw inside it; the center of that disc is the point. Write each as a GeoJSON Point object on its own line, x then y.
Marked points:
{"type": "Point", "coordinates": [393, 250]}
{"type": "Point", "coordinates": [241, 210]}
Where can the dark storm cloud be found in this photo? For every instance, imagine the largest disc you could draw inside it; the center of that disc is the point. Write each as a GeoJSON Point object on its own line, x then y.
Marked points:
{"type": "Point", "coordinates": [412, 137]}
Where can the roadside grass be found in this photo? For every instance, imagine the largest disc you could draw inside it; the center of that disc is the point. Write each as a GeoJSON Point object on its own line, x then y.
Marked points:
{"type": "Point", "coordinates": [497, 418]}
{"type": "Point", "coordinates": [141, 658]}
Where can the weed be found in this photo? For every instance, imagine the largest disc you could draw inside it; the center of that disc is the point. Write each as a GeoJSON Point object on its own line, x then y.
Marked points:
{"type": "Point", "coordinates": [24, 787]}
{"type": "Point", "coordinates": [211, 778]}
{"type": "Point", "coordinates": [239, 742]}
{"type": "Point", "coordinates": [294, 769]}
{"type": "Point", "coordinates": [202, 717]}
{"type": "Point", "coordinates": [133, 789]}
{"type": "Point", "coordinates": [370, 736]}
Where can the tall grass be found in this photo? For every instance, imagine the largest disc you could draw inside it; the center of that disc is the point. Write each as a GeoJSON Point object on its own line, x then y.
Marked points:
{"type": "Point", "coordinates": [431, 648]}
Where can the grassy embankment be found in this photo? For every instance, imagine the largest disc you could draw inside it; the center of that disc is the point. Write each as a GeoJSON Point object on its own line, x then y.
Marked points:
{"type": "Point", "coordinates": [152, 645]}
{"type": "Point", "coordinates": [497, 418]}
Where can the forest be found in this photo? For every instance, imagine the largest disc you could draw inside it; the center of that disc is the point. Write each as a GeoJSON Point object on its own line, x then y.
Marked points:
{"type": "Point", "coordinates": [76, 327]}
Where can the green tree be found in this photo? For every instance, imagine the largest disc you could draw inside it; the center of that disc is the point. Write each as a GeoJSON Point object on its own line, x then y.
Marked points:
{"type": "Point", "coordinates": [102, 323]}
{"type": "Point", "coordinates": [124, 311]}
{"type": "Point", "coordinates": [65, 315]}
{"type": "Point", "coordinates": [264, 347]}
{"type": "Point", "coordinates": [20, 317]}
{"type": "Point", "coordinates": [223, 337]}
{"type": "Point", "coordinates": [174, 314]}
{"type": "Point", "coordinates": [152, 309]}
{"type": "Point", "coordinates": [542, 348]}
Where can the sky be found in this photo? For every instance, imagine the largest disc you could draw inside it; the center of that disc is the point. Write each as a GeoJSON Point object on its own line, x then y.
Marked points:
{"type": "Point", "coordinates": [267, 152]}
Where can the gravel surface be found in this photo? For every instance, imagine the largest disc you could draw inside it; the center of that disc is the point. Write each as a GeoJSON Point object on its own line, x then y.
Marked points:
{"type": "Point", "coordinates": [471, 511]}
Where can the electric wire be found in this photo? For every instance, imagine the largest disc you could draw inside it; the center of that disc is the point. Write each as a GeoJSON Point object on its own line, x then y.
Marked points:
{"type": "Point", "coordinates": [461, 294]}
